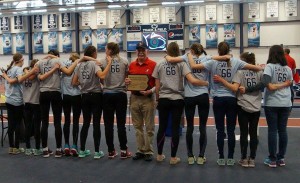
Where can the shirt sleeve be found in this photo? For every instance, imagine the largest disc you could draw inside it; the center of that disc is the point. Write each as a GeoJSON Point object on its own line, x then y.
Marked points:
{"type": "Point", "coordinates": [155, 72]}
{"type": "Point", "coordinates": [208, 65]}
{"type": "Point", "coordinates": [237, 78]}
{"type": "Point", "coordinates": [97, 67]}
{"type": "Point", "coordinates": [19, 72]}
{"type": "Point", "coordinates": [268, 70]}
{"type": "Point", "coordinates": [185, 69]}
{"type": "Point", "coordinates": [241, 64]}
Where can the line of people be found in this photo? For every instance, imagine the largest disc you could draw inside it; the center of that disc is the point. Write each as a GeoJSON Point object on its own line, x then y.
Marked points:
{"type": "Point", "coordinates": [175, 84]}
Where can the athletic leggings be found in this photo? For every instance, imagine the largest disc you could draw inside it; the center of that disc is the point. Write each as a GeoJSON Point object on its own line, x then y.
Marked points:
{"type": "Point", "coordinates": [202, 102]}
{"type": "Point", "coordinates": [91, 105]}
{"type": "Point", "coordinates": [115, 103]}
{"type": "Point", "coordinates": [225, 106]}
{"type": "Point", "coordinates": [53, 98]}
{"type": "Point", "coordinates": [71, 103]}
{"type": "Point", "coordinates": [175, 109]}
{"type": "Point", "coordinates": [248, 125]}
{"type": "Point", "coordinates": [14, 114]}
{"type": "Point", "coordinates": [32, 118]}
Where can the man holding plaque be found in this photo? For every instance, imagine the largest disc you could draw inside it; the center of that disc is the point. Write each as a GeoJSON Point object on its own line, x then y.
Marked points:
{"type": "Point", "coordinates": [142, 105]}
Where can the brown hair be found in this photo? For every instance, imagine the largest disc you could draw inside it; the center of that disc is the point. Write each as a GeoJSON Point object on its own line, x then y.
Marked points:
{"type": "Point", "coordinates": [89, 51]}
{"type": "Point", "coordinates": [74, 56]}
{"type": "Point", "coordinates": [16, 58]}
{"type": "Point", "coordinates": [54, 52]}
{"type": "Point", "coordinates": [287, 51]}
{"type": "Point", "coordinates": [114, 48]}
{"type": "Point", "coordinates": [173, 49]}
{"type": "Point", "coordinates": [198, 49]}
{"type": "Point", "coordinates": [223, 48]}
{"type": "Point", "coordinates": [33, 62]}
{"type": "Point", "coordinates": [248, 57]}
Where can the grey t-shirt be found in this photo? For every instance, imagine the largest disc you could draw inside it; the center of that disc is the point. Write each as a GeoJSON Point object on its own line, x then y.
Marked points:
{"type": "Point", "coordinates": [89, 81]}
{"type": "Point", "coordinates": [114, 81]}
{"type": "Point", "coordinates": [52, 83]}
{"type": "Point", "coordinates": [31, 92]}
{"type": "Point", "coordinates": [192, 90]}
{"type": "Point", "coordinates": [222, 69]}
{"type": "Point", "coordinates": [171, 79]}
{"type": "Point", "coordinates": [14, 92]}
{"type": "Point", "coordinates": [282, 97]}
{"type": "Point", "coordinates": [66, 86]}
{"type": "Point", "coordinates": [250, 102]}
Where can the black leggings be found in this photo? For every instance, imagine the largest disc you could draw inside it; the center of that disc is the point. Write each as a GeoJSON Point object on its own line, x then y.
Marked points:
{"type": "Point", "coordinates": [115, 102]}
{"type": "Point", "coordinates": [15, 115]}
{"type": "Point", "coordinates": [53, 98]}
{"type": "Point", "coordinates": [175, 109]}
{"type": "Point", "coordinates": [32, 118]}
{"type": "Point", "coordinates": [91, 105]}
{"type": "Point", "coordinates": [248, 125]}
{"type": "Point", "coordinates": [202, 102]}
{"type": "Point", "coordinates": [74, 103]}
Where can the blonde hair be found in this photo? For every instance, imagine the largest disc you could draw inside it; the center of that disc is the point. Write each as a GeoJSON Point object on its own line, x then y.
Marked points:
{"type": "Point", "coordinates": [74, 56]}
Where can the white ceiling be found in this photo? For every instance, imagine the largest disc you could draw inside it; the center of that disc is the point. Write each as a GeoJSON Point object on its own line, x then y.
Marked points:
{"type": "Point", "coordinates": [26, 7]}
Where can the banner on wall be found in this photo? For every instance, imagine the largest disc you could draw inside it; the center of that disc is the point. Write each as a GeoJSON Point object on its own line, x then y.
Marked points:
{"type": "Point", "coordinates": [4, 23]}
{"type": "Point", "coordinates": [194, 34]}
{"type": "Point", "coordinates": [37, 21]}
{"type": "Point", "coordinates": [253, 34]}
{"type": "Point", "coordinates": [116, 35]}
{"type": "Point", "coordinates": [101, 17]}
{"type": "Point", "coordinates": [229, 34]}
{"type": "Point", "coordinates": [20, 43]}
{"type": "Point", "coordinates": [67, 41]}
{"type": "Point", "coordinates": [291, 8]}
{"type": "Point", "coordinates": [52, 40]}
{"type": "Point", "coordinates": [154, 15]}
{"type": "Point", "coordinates": [272, 9]}
{"type": "Point", "coordinates": [194, 13]}
{"type": "Point", "coordinates": [211, 35]}
{"type": "Point", "coordinates": [66, 19]}
{"type": "Point", "coordinates": [86, 38]}
{"type": "Point", "coordinates": [170, 14]}
{"type": "Point", "coordinates": [115, 17]}
{"type": "Point", "coordinates": [86, 18]}
{"type": "Point", "coordinates": [101, 39]}
{"type": "Point", "coordinates": [134, 36]}
{"type": "Point", "coordinates": [227, 11]}
{"type": "Point", "coordinates": [253, 10]}
{"type": "Point", "coordinates": [52, 21]}
{"type": "Point", "coordinates": [18, 22]}
{"type": "Point", "coordinates": [138, 15]}
{"type": "Point", "coordinates": [211, 12]}
{"type": "Point", "coordinates": [7, 42]}
{"type": "Point", "coordinates": [38, 42]}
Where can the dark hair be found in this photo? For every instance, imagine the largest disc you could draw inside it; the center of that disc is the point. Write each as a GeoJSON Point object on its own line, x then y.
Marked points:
{"type": "Point", "coordinates": [198, 49]}
{"type": "Point", "coordinates": [114, 48]}
{"type": "Point", "coordinates": [223, 48]}
{"type": "Point", "coordinates": [287, 51]}
{"type": "Point", "coordinates": [173, 49]}
{"type": "Point", "coordinates": [32, 63]}
{"type": "Point", "coordinates": [276, 55]}
{"type": "Point", "coordinates": [74, 56]}
{"type": "Point", "coordinates": [89, 51]}
{"type": "Point", "coordinates": [248, 57]}
{"type": "Point", "coordinates": [54, 52]}
{"type": "Point", "coordinates": [16, 58]}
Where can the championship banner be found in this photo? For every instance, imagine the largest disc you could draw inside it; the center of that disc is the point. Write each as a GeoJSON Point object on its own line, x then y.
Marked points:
{"type": "Point", "coordinates": [101, 39]}
{"type": "Point", "coordinates": [18, 22]}
{"type": "Point", "coordinates": [116, 36]}
{"type": "Point", "coordinates": [52, 21]}
{"type": "Point", "coordinates": [38, 42]}
{"type": "Point", "coordinates": [211, 35]}
{"type": "Point", "coordinates": [229, 34]}
{"type": "Point", "coordinates": [7, 42]}
{"type": "Point", "coordinates": [37, 21]}
{"type": "Point", "coordinates": [253, 34]}
{"type": "Point", "coordinates": [86, 38]}
{"type": "Point", "coordinates": [20, 43]}
{"type": "Point", "coordinates": [65, 19]}
{"type": "Point", "coordinates": [52, 40]}
{"type": "Point", "coordinates": [4, 23]}
{"type": "Point", "coordinates": [194, 34]}
{"type": "Point", "coordinates": [67, 41]}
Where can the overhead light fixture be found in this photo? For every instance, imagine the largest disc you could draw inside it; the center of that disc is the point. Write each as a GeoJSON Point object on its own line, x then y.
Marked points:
{"type": "Point", "coordinates": [191, 2]}
{"type": "Point", "coordinates": [170, 3]}
{"type": "Point", "coordinates": [114, 6]}
{"type": "Point", "coordinates": [86, 8]}
{"type": "Point", "coordinates": [62, 9]}
{"type": "Point", "coordinates": [38, 11]}
{"type": "Point", "coordinates": [229, 0]}
{"type": "Point", "coordinates": [138, 5]}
